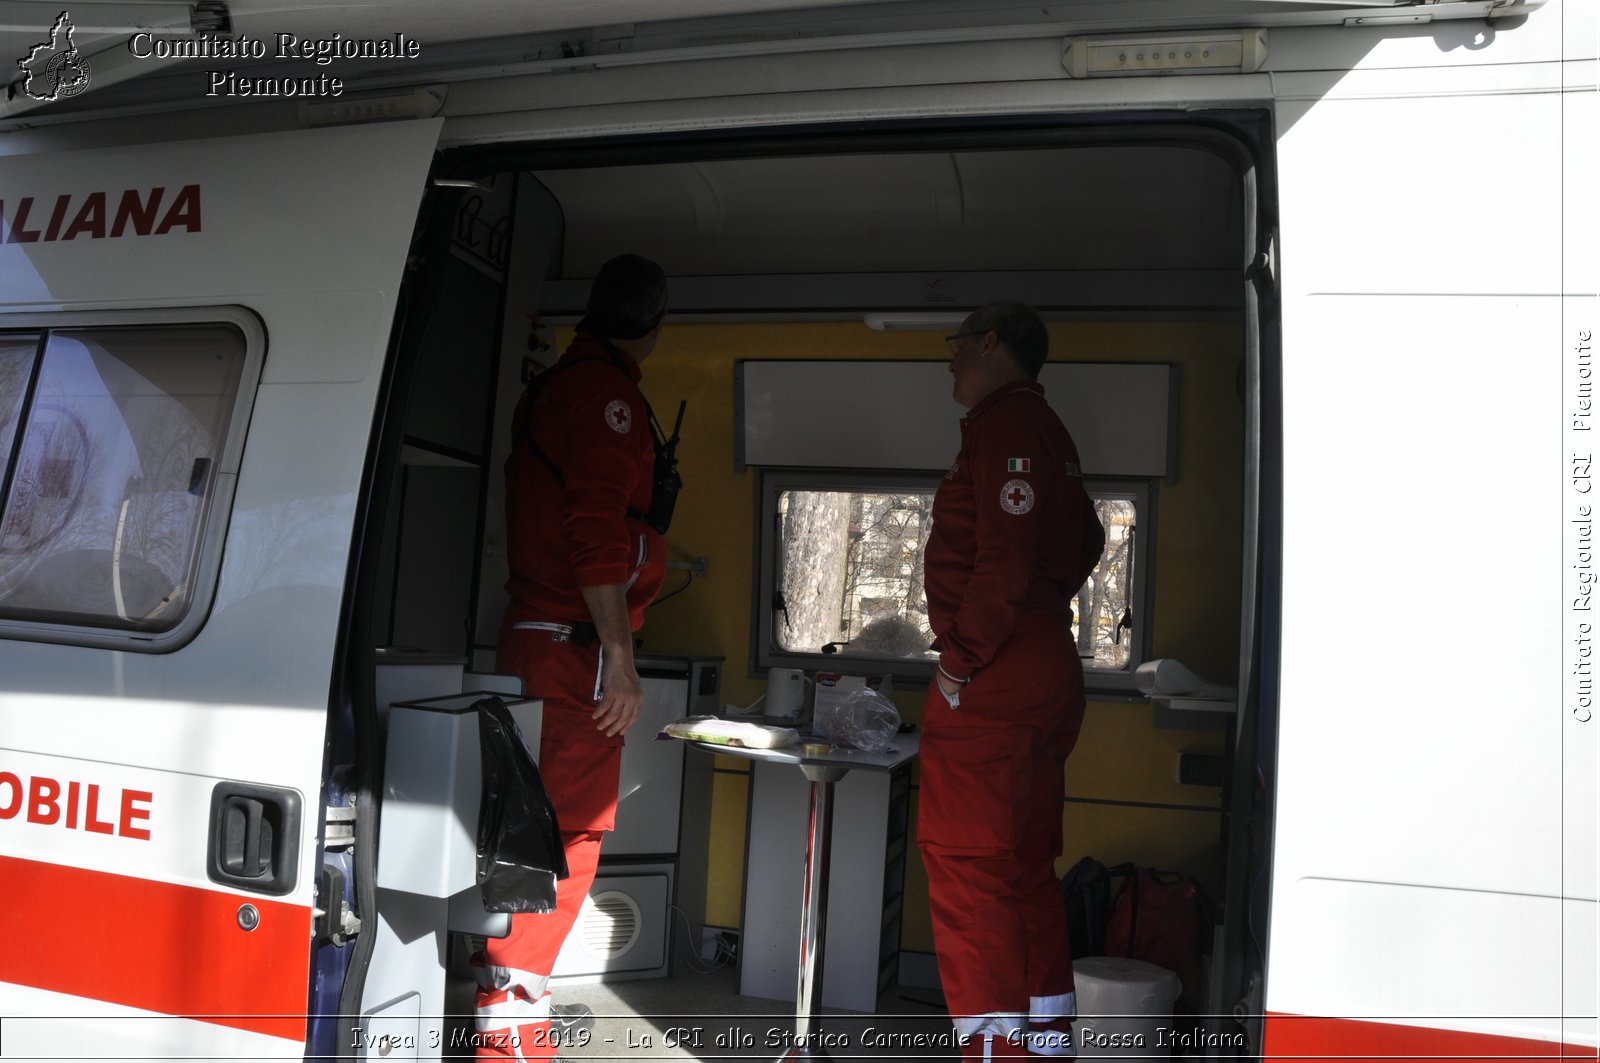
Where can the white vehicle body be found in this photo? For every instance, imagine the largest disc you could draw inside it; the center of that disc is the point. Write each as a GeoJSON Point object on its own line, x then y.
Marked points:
{"type": "Point", "coordinates": [1419, 298]}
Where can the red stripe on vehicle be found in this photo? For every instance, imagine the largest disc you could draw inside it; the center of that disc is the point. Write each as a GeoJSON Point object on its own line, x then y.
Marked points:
{"type": "Point", "coordinates": [176, 950]}
{"type": "Point", "coordinates": [1338, 1040]}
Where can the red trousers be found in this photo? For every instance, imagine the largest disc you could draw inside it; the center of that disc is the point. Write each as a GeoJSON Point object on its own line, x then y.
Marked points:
{"type": "Point", "coordinates": [580, 768]}
{"type": "Point", "coordinates": [989, 829]}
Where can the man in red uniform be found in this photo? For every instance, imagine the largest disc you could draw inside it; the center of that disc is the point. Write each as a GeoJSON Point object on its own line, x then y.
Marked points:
{"type": "Point", "coordinates": [1014, 536]}
{"type": "Point", "coordinates": [584, 564]}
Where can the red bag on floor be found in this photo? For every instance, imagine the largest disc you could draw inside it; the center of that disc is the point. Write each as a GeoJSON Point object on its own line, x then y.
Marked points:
{"type": "Point", "coordinates": [1162, 917]}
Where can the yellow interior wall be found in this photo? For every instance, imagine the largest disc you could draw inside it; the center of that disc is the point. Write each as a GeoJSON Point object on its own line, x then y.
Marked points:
{"type": "Point", "coordinates": [1121, 755]}
{"type": "Point", "coordinates": [730, 794]}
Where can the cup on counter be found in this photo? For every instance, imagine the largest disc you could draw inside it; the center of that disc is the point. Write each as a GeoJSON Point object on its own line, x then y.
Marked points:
{"type": "Point", "coordinates": [786, 694]}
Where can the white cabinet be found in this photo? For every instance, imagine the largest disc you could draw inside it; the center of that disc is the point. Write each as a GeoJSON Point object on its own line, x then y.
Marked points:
{"type": "Point", "coordinates": [866, 885]}
{"type": "Point", "coordinates": [656, 857]}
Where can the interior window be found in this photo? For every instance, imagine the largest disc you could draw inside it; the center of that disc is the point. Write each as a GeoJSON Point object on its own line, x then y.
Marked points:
{"type": "Point", "coordinates": [852, 572]}
{"type": "Point", "coordinates": [1103, 616]}
{"type": "Point", "coordinates": [842, 575]}
{"type": "Point", "coordinates": [112, 438]}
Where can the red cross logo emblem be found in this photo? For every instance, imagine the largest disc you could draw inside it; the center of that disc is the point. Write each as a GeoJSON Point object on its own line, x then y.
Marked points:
{"type": "Point", "coordinates": [619, 417]}
{"type": "Point", "coordinates": [1016, 497]}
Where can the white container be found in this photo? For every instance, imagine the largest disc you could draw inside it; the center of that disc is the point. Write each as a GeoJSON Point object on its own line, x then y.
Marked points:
{"type": "Point", "coordinates": [433, 783]}
{"type": "Point", "coordinates": [1124, 1007]}
{"type": "Point", "coordinates": [786, 694]}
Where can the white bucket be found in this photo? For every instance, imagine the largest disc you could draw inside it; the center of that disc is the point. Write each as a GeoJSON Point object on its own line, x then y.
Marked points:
{"type": "Point", "coordinates": [1124, 1007]}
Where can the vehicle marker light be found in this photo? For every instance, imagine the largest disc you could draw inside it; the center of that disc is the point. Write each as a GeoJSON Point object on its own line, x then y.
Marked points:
{"type": "Point", "coordinates": [1230, 52]}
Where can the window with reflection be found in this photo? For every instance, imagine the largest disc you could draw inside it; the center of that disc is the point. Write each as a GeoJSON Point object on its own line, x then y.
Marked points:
{"type": "Point", "coordinates": [111, 439]}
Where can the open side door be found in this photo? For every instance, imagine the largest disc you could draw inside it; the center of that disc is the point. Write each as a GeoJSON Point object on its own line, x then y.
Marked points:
{"type": "Point", "coordinates": [162, 784]}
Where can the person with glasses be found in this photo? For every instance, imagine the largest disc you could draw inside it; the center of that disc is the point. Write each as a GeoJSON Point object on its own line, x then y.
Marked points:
{"type": "Point", "coordinates": [1014, 537]}
{"type": "Point", "coordinates": [585, 560]}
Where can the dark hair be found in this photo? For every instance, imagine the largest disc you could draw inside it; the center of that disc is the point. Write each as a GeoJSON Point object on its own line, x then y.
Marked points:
{"type": "Point", "coordinates": [627, 299]}
{"type": "Point", "coordinates": [1019, 327]}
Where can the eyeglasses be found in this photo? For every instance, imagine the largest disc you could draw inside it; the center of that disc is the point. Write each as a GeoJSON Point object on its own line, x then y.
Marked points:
{"type": "Point", "coordinates": [950, 341]}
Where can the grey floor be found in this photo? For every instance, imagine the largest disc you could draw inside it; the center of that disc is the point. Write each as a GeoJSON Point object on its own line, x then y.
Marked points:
{"type": "Point", "coordinates": [702, 1016]}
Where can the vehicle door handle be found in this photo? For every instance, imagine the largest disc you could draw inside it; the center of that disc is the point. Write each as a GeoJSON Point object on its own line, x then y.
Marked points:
{"type": "Point", "coordinates": [254, 837]}
{"type": "Point", "coordinates": [245, 837]}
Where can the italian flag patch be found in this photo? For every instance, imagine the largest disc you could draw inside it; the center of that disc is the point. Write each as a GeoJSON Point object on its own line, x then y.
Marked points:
{"type": "Point", "coordinates": [1018, 465]}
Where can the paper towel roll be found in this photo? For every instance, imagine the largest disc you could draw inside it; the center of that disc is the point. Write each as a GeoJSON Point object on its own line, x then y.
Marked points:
{"type": "Point", "coordinates": [1124, 1007]}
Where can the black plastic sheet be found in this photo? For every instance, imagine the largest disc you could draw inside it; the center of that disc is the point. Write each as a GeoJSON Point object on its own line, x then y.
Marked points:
{"type": "Point", "coordinates": [520, 855]}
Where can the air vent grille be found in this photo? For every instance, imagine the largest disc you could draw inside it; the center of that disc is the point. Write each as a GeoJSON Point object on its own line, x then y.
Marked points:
{"type": "Point", "coordinates": [609, 925]}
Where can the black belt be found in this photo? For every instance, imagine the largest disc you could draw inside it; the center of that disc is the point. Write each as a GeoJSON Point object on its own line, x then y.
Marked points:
{"type": "Point", "coordinates": [579, 633]}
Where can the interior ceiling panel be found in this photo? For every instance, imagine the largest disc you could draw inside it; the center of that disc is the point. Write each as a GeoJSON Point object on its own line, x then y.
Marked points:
{"type": "Point", "coordinates": [1085, 208]}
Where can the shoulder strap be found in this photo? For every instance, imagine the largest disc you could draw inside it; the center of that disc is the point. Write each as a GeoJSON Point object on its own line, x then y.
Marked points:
{"type": "Point", "coordinates": [614, 359]}
{"type": "Point", "coordinates": [530, 395]}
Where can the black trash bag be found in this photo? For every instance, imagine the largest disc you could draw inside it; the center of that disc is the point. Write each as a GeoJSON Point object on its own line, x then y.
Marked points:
{"type": "Point", "coordinates": [520, 855]}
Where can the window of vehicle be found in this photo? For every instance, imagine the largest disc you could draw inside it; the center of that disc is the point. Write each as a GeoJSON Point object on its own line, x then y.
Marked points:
{"type": "Point", "coordinates": [841, 576]}
{"type": "Point", "coordinates": [116, 445]}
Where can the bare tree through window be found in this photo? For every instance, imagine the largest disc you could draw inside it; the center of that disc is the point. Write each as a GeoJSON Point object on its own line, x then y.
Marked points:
{"type": "Point", "coordinates": [851, 576]}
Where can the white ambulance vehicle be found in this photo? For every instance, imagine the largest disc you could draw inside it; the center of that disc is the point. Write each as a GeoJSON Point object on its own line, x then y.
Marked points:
{"type": "Point", "coordinates": [225, 282]}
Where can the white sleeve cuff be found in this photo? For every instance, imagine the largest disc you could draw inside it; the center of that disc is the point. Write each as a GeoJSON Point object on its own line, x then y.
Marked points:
{"type": "Point", "coordinates": [953, 679]}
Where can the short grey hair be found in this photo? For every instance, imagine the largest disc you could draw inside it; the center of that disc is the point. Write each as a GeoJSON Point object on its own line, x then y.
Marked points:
{"type": "Point", "coordinates": [1019, 327]}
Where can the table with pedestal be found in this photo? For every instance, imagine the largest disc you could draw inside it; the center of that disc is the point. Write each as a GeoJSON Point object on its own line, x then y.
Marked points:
{"type": "Point", "coordinates": [822, 771]}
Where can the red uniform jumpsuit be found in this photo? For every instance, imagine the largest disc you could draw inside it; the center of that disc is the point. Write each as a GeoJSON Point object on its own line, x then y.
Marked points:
{"type": "Point", "coordinates": [563, 534]}
{"type": "Point", "coordinates": [1014, 535]}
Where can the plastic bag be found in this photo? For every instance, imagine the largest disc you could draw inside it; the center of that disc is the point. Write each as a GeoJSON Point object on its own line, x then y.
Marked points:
{"type": "Point", "coordinates": [730, 732]}
{"type": "Point", "coordinates": [865, 720]}
{"type": "Point", "coordinates": [520, 855]}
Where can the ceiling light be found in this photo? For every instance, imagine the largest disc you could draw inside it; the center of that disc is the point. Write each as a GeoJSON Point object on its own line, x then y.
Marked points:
{"type": "Point", "coordinates": [911, 321]}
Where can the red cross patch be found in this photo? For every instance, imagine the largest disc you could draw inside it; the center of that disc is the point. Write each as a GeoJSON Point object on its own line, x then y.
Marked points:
{"type": "Point", "coordinates": [1016, 497]}
{"type": "Point", "coordinates": [619, 418]}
